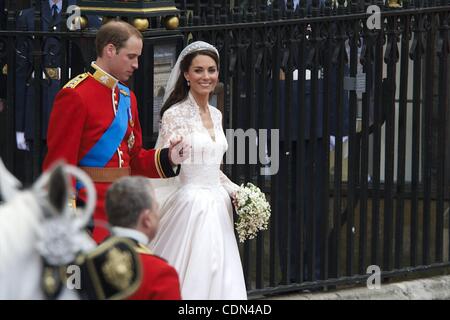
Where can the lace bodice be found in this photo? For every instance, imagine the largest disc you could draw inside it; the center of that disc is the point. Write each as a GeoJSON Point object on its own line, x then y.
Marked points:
{"type": "Point", "coordinates": [184, 119]}
{"type": "Point", "coordinates": [203, 166]}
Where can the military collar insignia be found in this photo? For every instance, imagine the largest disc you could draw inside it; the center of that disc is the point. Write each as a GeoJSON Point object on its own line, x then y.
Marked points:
{"type": "Point", "coordinates": [102, 76]}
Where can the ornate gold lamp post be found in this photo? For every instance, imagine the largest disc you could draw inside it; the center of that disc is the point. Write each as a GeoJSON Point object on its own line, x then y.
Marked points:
{"type": "Point", "coordinates": [137, 12]}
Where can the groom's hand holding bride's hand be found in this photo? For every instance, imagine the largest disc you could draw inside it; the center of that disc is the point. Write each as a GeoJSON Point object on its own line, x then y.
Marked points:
{"type": "Point", "coordinates": [179, 150]}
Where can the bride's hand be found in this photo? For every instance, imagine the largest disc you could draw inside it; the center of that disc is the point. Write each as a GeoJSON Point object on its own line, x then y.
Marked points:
{"type": "Point", "coordinates": [233, 199]}
{"type": "Point", "coordinates": [178, 150]}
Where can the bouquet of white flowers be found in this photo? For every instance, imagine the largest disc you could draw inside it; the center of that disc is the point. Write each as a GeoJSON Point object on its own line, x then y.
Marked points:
{"type": "Point", "coordinates": [253, 211]}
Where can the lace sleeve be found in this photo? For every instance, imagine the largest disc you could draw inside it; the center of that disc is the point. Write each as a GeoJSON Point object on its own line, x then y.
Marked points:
{"type": "Point", "coordinates": [228, 185]}
{"type": "Point", "coordinates": [165, 132]}
{"type": "Point", "coordinates": [172, 124]}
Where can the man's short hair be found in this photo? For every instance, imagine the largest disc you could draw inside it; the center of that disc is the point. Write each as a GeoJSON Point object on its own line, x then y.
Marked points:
{"type": "Point", "coordinates": [126, 198]}
{"type": "Point", "coordinates": [115, 32]}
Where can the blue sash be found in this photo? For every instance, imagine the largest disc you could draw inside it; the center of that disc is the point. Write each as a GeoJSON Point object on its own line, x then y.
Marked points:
{"type": "Point", "coordinates": [104, 149]}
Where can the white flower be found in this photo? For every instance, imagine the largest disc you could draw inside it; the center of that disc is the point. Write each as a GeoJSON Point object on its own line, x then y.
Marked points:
{"type": "Point", "coordinates": [253, 211]}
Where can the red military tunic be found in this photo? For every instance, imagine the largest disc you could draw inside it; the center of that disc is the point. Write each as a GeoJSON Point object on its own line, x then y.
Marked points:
{"type": "Point", "coordinates": [83, 110]}
{"type": "Point", "coordinates": [159, 279]}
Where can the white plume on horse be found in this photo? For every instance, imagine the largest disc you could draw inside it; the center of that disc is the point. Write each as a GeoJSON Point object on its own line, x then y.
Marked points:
{"type": "Point", "coordinates": [38, 223]}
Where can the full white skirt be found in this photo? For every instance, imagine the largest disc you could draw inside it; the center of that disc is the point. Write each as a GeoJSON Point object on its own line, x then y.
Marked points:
{"type": "Point", "coordinates": [196, 236]}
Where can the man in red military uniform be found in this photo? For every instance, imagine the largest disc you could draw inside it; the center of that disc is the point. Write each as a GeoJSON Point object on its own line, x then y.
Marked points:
{"type": "Point", "coordinates": [94, 123]}
{"type": "Point", "coordinates": [134, 214]}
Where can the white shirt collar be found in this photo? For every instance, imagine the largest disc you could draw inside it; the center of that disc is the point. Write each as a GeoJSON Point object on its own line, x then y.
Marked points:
{"type": "Point", "coordinates": [58, 4]}
{"type": "Point", "coordinates": [130, 233]}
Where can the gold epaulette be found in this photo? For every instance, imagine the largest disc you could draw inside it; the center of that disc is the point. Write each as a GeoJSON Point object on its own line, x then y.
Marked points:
{"type": "Point", "coordinates": [76, 81]}
{"type": "Point", "coordinates": [140, 248]}
{"type": "Point", "coordinates": [112, 270]}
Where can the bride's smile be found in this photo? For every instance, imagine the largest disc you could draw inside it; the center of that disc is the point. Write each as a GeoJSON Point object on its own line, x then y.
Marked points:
{"type": "Point", "coordinates": [202, 77]}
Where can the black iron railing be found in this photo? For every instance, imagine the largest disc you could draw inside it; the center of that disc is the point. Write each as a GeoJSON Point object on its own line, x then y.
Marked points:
{"type": "Point", "coordinates": [386, 201]}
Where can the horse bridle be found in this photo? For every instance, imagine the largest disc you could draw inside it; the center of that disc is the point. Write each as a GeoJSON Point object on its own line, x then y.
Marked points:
{"type": "Point", "coordinates": [62, 241]}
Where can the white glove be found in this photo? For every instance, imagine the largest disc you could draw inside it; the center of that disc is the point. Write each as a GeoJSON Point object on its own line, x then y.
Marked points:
{"type": "Point", "coordinates": [21, 142]}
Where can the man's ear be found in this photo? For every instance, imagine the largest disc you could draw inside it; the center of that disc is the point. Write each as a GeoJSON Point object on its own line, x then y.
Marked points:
{"type": "Point", "coordinates": [145, 218]}
{"type": "Point", "coordinates": [110, 50]}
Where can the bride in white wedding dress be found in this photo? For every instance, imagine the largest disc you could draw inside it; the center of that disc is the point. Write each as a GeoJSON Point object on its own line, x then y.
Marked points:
{"type": "Point", "coordinates": [196, 233]}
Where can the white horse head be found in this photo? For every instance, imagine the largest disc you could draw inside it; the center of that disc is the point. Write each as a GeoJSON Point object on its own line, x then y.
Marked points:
{"type": "Point", "coordinates": [37, 225]}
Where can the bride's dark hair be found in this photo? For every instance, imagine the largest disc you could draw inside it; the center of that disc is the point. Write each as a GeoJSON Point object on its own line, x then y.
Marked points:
{"type": "Point", "coordinates": [181, 89]}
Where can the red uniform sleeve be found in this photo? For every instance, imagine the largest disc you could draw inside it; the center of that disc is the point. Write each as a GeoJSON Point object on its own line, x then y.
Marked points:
{"type": "Point", "coordinates": [65, 129]}
{"type": "Point", "coordinates": [152, 163]}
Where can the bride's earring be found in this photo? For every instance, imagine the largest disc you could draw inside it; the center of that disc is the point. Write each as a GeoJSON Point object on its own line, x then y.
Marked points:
{"type": "Point", "coordinates": [188, 83]}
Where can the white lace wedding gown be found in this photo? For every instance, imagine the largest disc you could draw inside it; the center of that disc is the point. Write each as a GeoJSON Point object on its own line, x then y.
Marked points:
{"type": "Point", "coordinates": [196, 231]}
